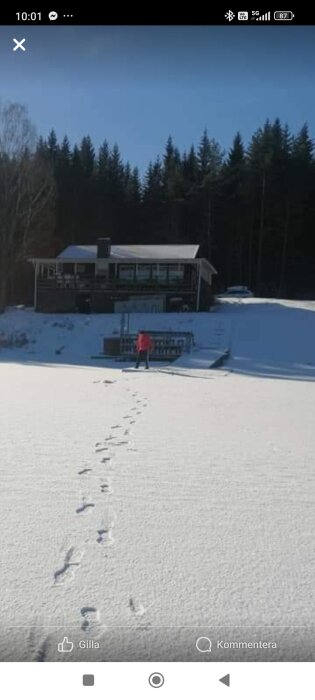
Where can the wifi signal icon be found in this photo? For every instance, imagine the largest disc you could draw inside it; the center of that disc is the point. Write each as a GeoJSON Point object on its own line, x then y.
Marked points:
{"type": "Point", "coordinates": [264, 18]}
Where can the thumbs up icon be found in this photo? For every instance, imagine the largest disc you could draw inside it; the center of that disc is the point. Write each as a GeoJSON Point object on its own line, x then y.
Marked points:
{"type": "Point", "coordinates": [65, 647]}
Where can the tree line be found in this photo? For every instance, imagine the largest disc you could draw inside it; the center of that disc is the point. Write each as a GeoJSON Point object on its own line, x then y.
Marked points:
{"type": "Point", "coordinates": [251, 209]}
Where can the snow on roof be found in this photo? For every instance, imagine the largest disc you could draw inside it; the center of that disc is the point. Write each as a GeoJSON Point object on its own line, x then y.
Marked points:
{"type": "Point", "coordinates": [132, 251]}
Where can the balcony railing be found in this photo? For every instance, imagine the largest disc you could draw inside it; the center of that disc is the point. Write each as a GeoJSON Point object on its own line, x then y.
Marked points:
{"type": "Point", "coordinates": [116, 285]}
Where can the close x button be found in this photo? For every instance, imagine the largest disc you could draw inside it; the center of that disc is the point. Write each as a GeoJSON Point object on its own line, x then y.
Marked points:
{"type": "Point", "coordinates": [19, 44]}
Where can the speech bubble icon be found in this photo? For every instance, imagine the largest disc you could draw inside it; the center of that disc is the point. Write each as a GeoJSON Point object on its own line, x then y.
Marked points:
{"type": "Point", "coordinates": [204, 645]}
{"type": "Point", "coordinates": [53, 16]}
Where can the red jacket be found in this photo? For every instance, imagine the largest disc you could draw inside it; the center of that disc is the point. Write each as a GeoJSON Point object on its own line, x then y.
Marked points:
{"type": "Point", "coordinates": [144, 342]}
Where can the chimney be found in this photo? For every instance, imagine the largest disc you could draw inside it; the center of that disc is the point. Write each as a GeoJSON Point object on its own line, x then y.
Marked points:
{"type": "Point", "coordinates": [103, 247]}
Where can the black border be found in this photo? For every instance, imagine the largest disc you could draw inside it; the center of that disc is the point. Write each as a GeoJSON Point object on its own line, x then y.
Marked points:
{"type": "Point", "coordinates": [163, 17]}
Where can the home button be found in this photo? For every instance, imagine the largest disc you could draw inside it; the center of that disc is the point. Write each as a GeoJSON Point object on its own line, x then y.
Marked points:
{"type": "Point", "coordinates": [156, 680]}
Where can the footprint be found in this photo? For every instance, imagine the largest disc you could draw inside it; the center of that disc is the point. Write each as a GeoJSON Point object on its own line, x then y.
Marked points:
{"type": "Point", "coordinates": [96, 381]}
{"type": "Point", "coordinates": [106, 488]}
{"type": "Point", "coordinates": [122, 442]}
{"type": "Point", "coordinates": [105, 459]}
{"type": "Point", "coordinates": [85, 507]}
{"type": "Point", "coordinates": [72, 560]}
{"type": "Point", "coordinates": [101, 449]}
{"type": "Point", "coordinates": [84, 471]}
{"type": "Point", "coordinates": [125, 417]}
{"type": "Point", "coordinates": [38, 646]}
{"type": "Point", "coordinates": [133, 409]}
{"type": "Point", "coordinates": [136, 607]}
{"type": "Point", "coordinates": [105, 537]}
{"type": "Point", "coordinates": [108, 381]}
{"type": "Point", "coordinates": [91, 622]}
{"type": "Point", "coordinates": [41, 654]}
{"type": "Point", "coordinates": [113, 427]}
{"type": "Point", "coordinates": [105, 531]}
{"type": "Point", "coordinates": [138, 413]}
{"type": "Point", "coordinates": [126, 432]}
{"type": "Point", "coordinates": [132, 422]}
{"type": "Point", "coordinates": [111, 437]}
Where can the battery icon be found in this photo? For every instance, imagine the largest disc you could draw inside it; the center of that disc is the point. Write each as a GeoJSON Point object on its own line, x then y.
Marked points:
{"type": "Point", "coordinates": [283, 16]}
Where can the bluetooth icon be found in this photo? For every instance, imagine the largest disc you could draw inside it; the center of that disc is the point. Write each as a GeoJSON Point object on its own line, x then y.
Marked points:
{"type": "Point", "coordinates": [229, 15]}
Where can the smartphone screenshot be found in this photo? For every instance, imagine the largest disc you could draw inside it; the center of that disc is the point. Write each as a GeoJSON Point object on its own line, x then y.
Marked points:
{"type": "Point", "coordinates": [157, 353]}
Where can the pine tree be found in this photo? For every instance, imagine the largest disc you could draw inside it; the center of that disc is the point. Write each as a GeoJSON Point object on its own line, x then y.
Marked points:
{"type": "Point", "coordinates": [63, 175]}
{"type": "Point", "coordinates": [153, 182]}
{"type": "Point", "coordinates": [260, 158]}
{"type": "Point", "coordinates": [132, 185]}
{"type": "Point", "coordinates": [136, 186]}
{"type": "Point", "coordinates": [303, 148]}
{"type": "Point", "coordinates": [87, 156]}
{"type": "Point", "coordinates": [102, 193]}
{"type": "Point", "coordinates": [65, 150]}
{"type": "Point", "coordinates": [42, 148]}
{"type": "Point", "coordinates": [52, 146]}
{"type": "Point", "coordinates": [210, 159]}
{"type": "Point", "coordinates": [235, 214]}
{"type": "Point", "coordinates": [103, 160]}
{"type": "Point", "coordinates": [302, 205]}
{"type": "Point", "coordinates": [173, 186]}
{"type": "Point", "coordinates": [190, 171]}
{"type": "Point", "coordinates": [172, 172]}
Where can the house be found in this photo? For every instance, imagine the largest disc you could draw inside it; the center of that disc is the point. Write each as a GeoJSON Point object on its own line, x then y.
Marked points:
{"type": "Point", "coordinates": [115, 278]}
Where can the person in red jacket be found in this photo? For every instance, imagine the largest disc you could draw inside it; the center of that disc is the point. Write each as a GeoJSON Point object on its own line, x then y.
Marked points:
{"type": "Point", "coordinates": [144, 345]}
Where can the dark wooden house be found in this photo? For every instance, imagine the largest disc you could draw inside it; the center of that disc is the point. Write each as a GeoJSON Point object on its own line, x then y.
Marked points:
{"type": "Point", "coordinates": [116, 278]}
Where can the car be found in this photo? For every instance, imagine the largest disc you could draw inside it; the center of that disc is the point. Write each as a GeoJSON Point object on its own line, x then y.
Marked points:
{"type": "Point", "coordinates": [236, 291]}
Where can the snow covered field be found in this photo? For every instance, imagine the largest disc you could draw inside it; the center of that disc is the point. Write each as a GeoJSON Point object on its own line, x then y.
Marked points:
{"type": "Point", "coordinates": [142, 510]}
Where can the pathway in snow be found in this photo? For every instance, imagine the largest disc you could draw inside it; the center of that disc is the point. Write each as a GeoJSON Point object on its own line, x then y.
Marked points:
{"type": "Point", "coordinates": [144, 508]}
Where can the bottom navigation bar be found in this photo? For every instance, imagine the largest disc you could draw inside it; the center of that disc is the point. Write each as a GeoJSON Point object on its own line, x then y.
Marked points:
{"type": "Point", "coordinates": [137, 680]}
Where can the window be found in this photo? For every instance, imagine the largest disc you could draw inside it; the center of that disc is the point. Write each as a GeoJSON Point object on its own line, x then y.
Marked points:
{"type": "Point", "coordinates": [143, 273]}
{"type": "Point", "coordinates": [126, 273]}
{"type": "Point", "coordinates": [85, 269]}
{"type": "Point", "coordinates": [162, 273]}
{"type": "Point", "coordinates": [176, 273]}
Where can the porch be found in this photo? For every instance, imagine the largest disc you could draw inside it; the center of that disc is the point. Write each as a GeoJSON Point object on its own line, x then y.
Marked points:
{"type": "Point", "coordinates": [130, 278]}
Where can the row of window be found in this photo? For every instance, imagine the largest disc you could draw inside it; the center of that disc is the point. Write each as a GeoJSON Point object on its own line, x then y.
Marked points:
{"type": "Point", "coordinates": [151, 272]}
{"type": "Point", "coordinates": [129, 272]}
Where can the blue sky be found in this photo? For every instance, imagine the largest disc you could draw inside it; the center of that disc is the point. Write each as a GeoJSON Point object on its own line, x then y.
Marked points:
{"type": "Point", "coordinates": [137, 85]}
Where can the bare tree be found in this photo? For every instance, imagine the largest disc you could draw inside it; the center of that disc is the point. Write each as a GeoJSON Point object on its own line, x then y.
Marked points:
{"type": "Point", "coordinates": [26, 194]}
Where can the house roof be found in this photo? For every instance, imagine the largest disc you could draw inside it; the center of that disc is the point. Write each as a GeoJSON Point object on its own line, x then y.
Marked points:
{"type": "Point", "coordinates": [120, 252]}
